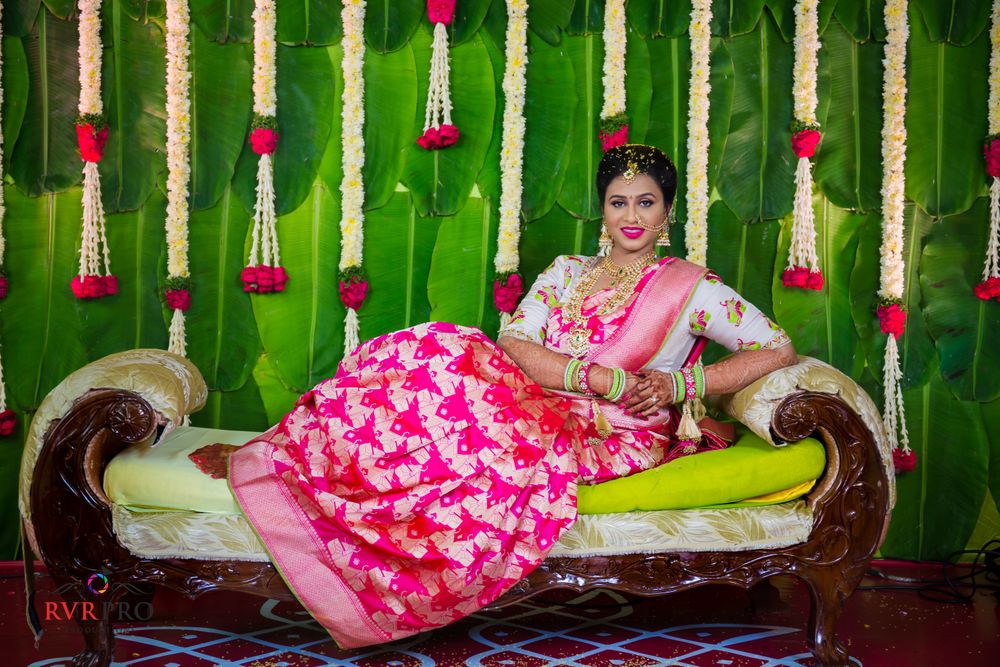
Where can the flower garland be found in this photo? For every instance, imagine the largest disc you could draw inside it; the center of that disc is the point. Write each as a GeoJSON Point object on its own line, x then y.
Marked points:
{"type": "Point", "coordinates": [93, 280]}
{"type": "Point", "coordinates": [989, 288]}
{"type": "Point", "coordinates": [614, 121]}
{"type": "Point", "coordinates": [353, 281]}
{"type": "Point", "coordinates": [508, 286]}
{"type": "Point", "coordinates": [264, 273]}
{"type": "Point", "coordinates": [8, 419]}
{"type": "Point", "coordinates": [891, 313]}
{"type": "Point", "coordinates": [439, 131]}
{"type": "Point", "coordinates": [803, 266]}
{"type": "Point", "coordinates": [696, 229]}
{"type": "Point", "coordinates": [178, 289]}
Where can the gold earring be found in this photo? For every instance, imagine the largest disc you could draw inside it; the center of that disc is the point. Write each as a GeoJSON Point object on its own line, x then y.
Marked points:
{"type": "Point", "coordinates": [605, 243]}
{"type": "Point", "coordinates": [663, 239]}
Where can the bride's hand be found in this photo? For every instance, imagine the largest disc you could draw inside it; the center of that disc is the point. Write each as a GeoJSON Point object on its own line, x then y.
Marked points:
{"type": "Point", "coordinates": [650, 392]}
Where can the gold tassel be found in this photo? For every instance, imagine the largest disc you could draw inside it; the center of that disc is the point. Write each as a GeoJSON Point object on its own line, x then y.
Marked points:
{"type": "Point", "coordinates": [604, 428]}
{"type": "Point", "coordinates": [687, 430]}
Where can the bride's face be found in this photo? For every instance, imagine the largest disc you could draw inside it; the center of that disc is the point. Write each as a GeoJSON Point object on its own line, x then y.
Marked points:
{"type": "Point", "coordinates": [634, 214]}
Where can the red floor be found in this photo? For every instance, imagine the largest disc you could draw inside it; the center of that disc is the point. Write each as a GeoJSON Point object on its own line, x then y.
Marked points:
{"type": "Point", "coordinates": [709, 626]}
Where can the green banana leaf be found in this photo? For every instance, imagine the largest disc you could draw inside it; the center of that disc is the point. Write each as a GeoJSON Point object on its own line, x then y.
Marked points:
{"type": "Point", "coordinates": [146, 11]}
{"type": "Point", "coordinates": [744, 255]}
{"type": "Point", "coordinates": [494, 35]}
{"type": "Point", "coordinates": [757, 174]}
{"type": "Point", "coordinates": [390, 106]}
{"type": "Point", "coordinates": [958, 22]}
{"type": "Point", "coordinates": [222, 338]}
{"type": "Point", "coordinates": [19, 16]}
{"type": "Point", "coordinates": [389, 24]}
{"type": "Point", "coordinates": [331, 168]}
{"type": "Point", "coordinates": [916, 347]}
{"type": "Point", "coordinates": [735, 18]}
{"type": "Point", "coordinates": [938, 503]}
{"type": "Point", "coordinates": [313, 22]}
{"type": "Point", "coordinates": [946, 113]}
{"type": "Point", "coordinates": [305, 114]}
{"type": "Point", "coordinates": [469, 15]}
{"type": "Point", "coordinates": [225, 20]}
{"type": "Point", "coordinates": [991, 419]}
{"type": "Point", "coordinates": [587, 19]}
{"type": "Point", "coordinates": [45, 157]}
{"type": "Point", "coordinates": [987, 525]}
{"type": "Point", "coordinates": [460, 282]}
{"type": "Point", "coordinates": [819, 322]}
{"type": "Point", "coordinates": [15, 88]}
{"type": "Point", "coordinates": [61, 8]}
{"type": "Point", "coordinates": [302, 328]}
{"type": "Point", "coordinates": [557, 233]}
{"type": "Point", "coordinates": [39, 319]}
{"type": "Point", "coordinates": [240, 410]}
{"type": "Point", "coordinates": [578, 196]}
{"type": "Point", "coordinates": [131, 318]}
{"type": "Point", "coordinates": [220, 116]}
{"type": "Point", "coordinates": [864, 19]}
{"type": "Point", "coordinates": [638, 86]}
{"type": "Point", "coordinates": [548, 18]}
{"type": "Point", "coordinates": [659, 18]}
{"type": "Point", "coordinates": [278, 400]}
{"type": "Point", "coordinates": [398, 260]}
{"type": "Point", "coordinates": [783, 12]}
{"type": "Point", "coordinates": [442, 180]}
{"type": "Point", "coordinates": [964, 327]}
{"type": "Point", "coordinates": [134, 101]}
{"type": "Point", "coordinates": [848, 165]}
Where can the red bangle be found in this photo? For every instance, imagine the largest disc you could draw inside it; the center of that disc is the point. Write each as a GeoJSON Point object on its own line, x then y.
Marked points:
{"type": "Point", "coordinates": [581, 378]}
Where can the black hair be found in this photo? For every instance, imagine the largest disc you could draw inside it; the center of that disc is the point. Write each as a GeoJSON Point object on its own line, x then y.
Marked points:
{"type": "Point", "coordinates": [639, 159]}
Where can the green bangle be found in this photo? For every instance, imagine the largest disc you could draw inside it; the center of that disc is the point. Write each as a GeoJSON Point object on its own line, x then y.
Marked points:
{"type": "Point", "coordinates": [699, 379]}
{"type": "Point", "coordinates": [617, 385]}
{"type": "Point", "coordinates": [569, 375]}
{"type": "Point", "coordinates": [679, 392]}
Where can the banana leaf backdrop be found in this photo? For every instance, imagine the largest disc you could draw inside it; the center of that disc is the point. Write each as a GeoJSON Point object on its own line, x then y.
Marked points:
{"type": "Point", "coordinates": [432, 217]}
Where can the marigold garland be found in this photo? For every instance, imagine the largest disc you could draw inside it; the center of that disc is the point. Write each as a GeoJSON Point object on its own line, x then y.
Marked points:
{"type": "Point", "coordinates": [264, 273]}
{"type": "Point", "coordinates": [614, 120]}
{"type": "Point", "coordinates": [696, 228]}
{"type": "Point", "coordinates": [891, 313]}
{"type": "Point", "coordinates": [439, 131]}
{"type": "Point", "coordinates": [353, 282]}
{"type": "Point", "coordinates": [8, 419]}
{"type": "Point", "coordinates": [508, 286]}
{"type": "Point", "coordinates": [94, 278]}
{"type": "Point", "coordinates": [989, 288]}
{"type": "Point", "coordinates": [803, 269]}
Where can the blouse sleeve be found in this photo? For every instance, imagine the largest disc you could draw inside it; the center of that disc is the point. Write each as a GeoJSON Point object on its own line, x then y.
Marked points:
{"type": "Point", "coordinates": [529, 320]}
{"type": "Point", "coordinates": [720, 314]}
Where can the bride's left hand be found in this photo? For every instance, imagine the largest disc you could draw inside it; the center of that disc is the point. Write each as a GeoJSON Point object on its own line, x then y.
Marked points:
{"type": "Point", "coordinates": [653, 392]}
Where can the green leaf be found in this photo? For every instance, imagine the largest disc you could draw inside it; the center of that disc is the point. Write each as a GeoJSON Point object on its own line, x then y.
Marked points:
{"type": "Point", "coordinates": [302, 328]}
{"type": "Point", "coordinates": [744, 255]}
{"type": "Point", "coordinates": [314, 22]}
{"type": "Point", "coordinates": [45, 157]}
{"type": "Point", "coordinates": [659, 18]}
{"type": "Point", "coordinates": [757, 174]}
{"type": "Point", "coordinates": [442, 180]}
{"type": "Point", "coordinates": [722, 80]}
{"type": "Point", "coordinates": [15, 88]}
{"type": "Point", "coordinates": [991, 419]}
{"type": "Point", "coordinates": [278, 400]}
{"type": "Point", "coordinates": [952, 457]}
{"type": "Point", "coordinates": [224, 20]}
{"type": "Point", "coordinates": [134, 99]}
{"type": "Point", "coordinates": [18, 17]}
{"type": "Point", "coordinates": [964, 327]}
{"type": "Point", "coordinates": [578, 196]}
{"type": "Point", "coordinates": [61, 8]}
{"type": "Point", "coordinates": [862, 18]}
{"type": "Point", "coordinates": [735, 18]}
{"type": "Point", "coordinates": [397, 263]}
{"type": "Point", "coordinates": [959, 22]}
{"type": "Point", "coordinates": [460, 283]}
{"type": "Point", "coordinates": [145, 11]}
{"type": "Point", "coordinates": [548, 18]}
{"type": "Point", "coordinates": [638, 86]}
{"type": "Point", "coordinates": [240, 410]}
{"type": "Point", "coordinates": [848, 166]}
{"type": "Point", "coordinates": [469, 15]}
{"type": "Point", "coordinates": [389, 24]}
{"type": "Point", "coordinates": [221, 332]}
{"type": "Point", "coordinates": [946, 114]}
{"type": "Point", "coordinates": [390, 106]}
{"type": "Point", "coordinates": [557, 233]}
{"type": "Point", "coordinates": [305, 115]}
{"type": "Point", "coordinates": [819, 322]}
{"type": "Point", "coordinates": [783, 13]}
{"type": "Point", "coordinates": [587, 19]}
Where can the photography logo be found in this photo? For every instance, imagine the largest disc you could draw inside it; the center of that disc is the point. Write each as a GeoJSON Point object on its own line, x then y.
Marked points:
{"type": "Point", "coordinates": [122, 602]}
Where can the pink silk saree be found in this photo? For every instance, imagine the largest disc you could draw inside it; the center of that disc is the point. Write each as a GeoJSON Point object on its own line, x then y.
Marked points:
{"type": "Point", "coordinates": [430, 473]}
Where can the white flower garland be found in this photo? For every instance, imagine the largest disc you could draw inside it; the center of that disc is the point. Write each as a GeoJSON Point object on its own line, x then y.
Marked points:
{"type": "Point", "coordinates": [893, 182]}
{"type": "Point", "coordinates": [696, 228]}
{"type": "Point", "coordinates": [439, 130]}
{"type": "Point", "coordinates": [178, 165]}
{"type": "Point", "coordinates": [507, 260]}
{"type": "Point", "coordinates": [991, 268]}
{"type": "Point", "coordinates": [352, 132]}
{"type": "Point", "coordinates": [615, 44]}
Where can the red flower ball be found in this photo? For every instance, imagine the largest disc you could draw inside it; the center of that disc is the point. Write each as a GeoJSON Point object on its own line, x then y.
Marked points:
{"type": "Point", "coordinates": [804, 143]}
{"type": "Point", "coordinates": [988, 289]}
{"type": "Point", "coordinates": [353, 292]}
{"type": "Point", "coordinates": [178, 299]}
{"type": "Point", "coordinates": [440, 11]}
{"type": "Point", "coordinates": [797, 276]}
{"type": "Point", "coordinates": [4, 287]}
{"type": "Point", "coordinates": [448, 134]}
{"type": "Point", "coordinates": [109, 285]}
{"type": "Point", "coordinates": [263, 140]}
{"type": "Point", "coordinates": [280, 278]}
{"type": "Point", "coordinates": [8, 422]}
{"type": "Point", "coordinates": [892, 319]}
{"type": "Point", "coordinates": [991, 151]}
{"type": "Point", "coordinates": [904, 461]}
{"type": "Point", "coordinates": [265, 279]}
{"type": "Point", "coordinates": [610, 140]}
{"type": "Point", "coordinates": [430, 140]}
{"type": "Point", "coordinates": [814, 280]}
{"type": "Point", "coordinates": [91, 143]}
{"type": "Point", "coordinates": [249, 277]}
{"type": "Point", "coordinates": [507, 295]}
{"type": "Point", "coordinates": [91, 287]}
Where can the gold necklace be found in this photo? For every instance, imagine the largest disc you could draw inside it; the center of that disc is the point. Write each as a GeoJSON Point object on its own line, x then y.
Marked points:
{"type": "Point", "coordinates": [624, 279]}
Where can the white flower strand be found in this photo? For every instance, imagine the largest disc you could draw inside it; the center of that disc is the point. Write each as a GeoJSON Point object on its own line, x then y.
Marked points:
{"type": "Point", "coordinates": [507, 259]}
{"type": "Point", "coordinates": [893, 182]}
{"type": "Point", "coordinates": [265, 103]}
{"type": "Point", "coordinates": [991, 268]}
{"type": "Point", "coordinates": [438, 110]}
{"type": "Point", "coordinates": [696, 228]}
{"type": "Point", "coordinates": [90, 50]}
{"type": "Point", "coordinates": [614, 59]}
{"type": "Point", "coordinates": [353, 140]}
{"type": "Point", "coordinates": [94, 234]}
{"type": "Point", "coordinates": [802, 252]}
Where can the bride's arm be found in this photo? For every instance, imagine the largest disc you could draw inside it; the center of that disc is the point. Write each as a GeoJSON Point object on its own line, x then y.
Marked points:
{"type": "Point", "coordinates": [547, 367]}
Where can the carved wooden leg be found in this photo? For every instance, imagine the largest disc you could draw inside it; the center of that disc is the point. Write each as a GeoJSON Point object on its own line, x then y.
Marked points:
{"type": "Point", "coordinates": [826, 590]}
{"type": "Point", "coordinates": [91, 616]}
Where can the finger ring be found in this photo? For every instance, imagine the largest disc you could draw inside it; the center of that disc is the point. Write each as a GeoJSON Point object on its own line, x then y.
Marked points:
{"type": "Point", "coordinates": [654, 398]}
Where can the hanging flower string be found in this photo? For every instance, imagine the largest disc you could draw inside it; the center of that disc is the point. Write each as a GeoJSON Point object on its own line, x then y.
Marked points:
{"type": "Point", "coordinates": [264, 273]}
{"type": "Point", "coordinates": [508, 286]}
{"type": "Point", "coordinates": [94, 278]}
{"type": "Point", "coordinates": [353, 281]}
{"type": "Point", "coordinates": [696, 228]}
{"type": "Point", "coordinates": [989, 288]}
{"type": "Point", "coordinates": [803, 266]}
{"type": "Point", "coordinates": [614, 121]}
{"type": "Point", "coordinates": [439, 131]}
{"type": "Point", "coordinates": [8, 419]}
{"type": "Point", "coordinates": [891, 313]}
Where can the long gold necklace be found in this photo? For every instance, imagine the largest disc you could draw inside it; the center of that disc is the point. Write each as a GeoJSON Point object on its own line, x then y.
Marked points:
{"type": "Point", "coordinates": [623, 278]}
